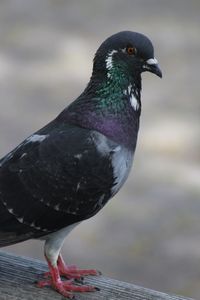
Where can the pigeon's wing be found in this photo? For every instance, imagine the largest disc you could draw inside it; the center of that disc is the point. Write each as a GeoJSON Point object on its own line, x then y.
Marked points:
{"type": "Point", "coordinates": [11, 230]}
{"type": "Point", "coordinates": [58, 176]}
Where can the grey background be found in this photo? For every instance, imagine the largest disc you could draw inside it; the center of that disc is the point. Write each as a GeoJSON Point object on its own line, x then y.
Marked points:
{"type": "Point", "coordinates": [150, 233]}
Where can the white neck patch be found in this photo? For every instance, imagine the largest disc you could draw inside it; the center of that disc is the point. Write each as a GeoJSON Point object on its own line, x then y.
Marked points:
{"type": "Point", "coordinates": [109, 62]}
{"type": "Point", "coordinates": [132, 98]}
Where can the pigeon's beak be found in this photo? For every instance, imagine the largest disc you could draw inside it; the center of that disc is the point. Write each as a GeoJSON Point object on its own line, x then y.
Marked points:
{"type": "Point", "coordinates": [152, 66]}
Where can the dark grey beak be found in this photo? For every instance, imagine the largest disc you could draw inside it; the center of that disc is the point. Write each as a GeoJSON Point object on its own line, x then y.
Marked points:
{"type": "Point", "coordinates": [152, 66]}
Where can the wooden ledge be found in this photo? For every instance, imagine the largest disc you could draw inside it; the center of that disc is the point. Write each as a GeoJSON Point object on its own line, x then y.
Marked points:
{"type": "Point", "coordinates": [18, 274]}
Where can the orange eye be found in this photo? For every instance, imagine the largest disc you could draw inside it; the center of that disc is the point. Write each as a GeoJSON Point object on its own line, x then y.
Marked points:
{"type": "Point", "coordinates": [131, 50]}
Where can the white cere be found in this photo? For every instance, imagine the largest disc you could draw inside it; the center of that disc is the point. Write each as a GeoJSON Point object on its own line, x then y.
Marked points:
{"type": "Point", "coordinates": [152, 61]}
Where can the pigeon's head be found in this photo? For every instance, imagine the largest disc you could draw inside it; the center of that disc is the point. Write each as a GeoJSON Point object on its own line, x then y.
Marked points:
{"type": "Point", "coordinates": [127, 53]}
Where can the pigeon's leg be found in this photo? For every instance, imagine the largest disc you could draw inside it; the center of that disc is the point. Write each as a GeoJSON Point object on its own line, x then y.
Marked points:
{"type": "Point", "coordinates": [71, 271]}
{"type": "Point", "coordinates": [52, 248]}
{"type": "Point", "coordinates": [63, 287]}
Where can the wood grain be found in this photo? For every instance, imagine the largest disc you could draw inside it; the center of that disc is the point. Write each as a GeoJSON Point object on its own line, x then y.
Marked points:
{"type": "Point", "coordinates": [18, 274]}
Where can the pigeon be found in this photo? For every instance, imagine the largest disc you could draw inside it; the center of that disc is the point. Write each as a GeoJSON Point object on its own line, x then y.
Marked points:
{"type": "Point", "coordinates": [67, 171]}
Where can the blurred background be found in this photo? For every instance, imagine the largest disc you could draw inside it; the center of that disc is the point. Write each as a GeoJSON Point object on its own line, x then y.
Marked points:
{"type": "Point", "coordinates": [150, 233]}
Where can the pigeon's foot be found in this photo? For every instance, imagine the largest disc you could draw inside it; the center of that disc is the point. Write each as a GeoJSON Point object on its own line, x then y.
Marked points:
{"type": "Point", "coordinates": [71, 271]}
{"type": "Point", "coordinates": [66, 288]}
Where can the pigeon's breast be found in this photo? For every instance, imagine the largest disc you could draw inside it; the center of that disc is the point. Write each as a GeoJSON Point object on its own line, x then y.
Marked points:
{"type": "Point", "coordinates": [121, 159]}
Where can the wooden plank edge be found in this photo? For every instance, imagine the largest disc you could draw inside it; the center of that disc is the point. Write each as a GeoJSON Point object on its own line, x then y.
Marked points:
{"type": "Point", "coordinates": [18, 274]}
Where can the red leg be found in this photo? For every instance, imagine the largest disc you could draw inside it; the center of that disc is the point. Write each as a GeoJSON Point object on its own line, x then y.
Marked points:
{"type": "Point", "coordinates": [63, 287]}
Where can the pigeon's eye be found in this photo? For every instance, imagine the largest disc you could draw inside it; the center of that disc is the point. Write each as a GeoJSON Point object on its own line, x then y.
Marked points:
{"type": "Point", "coordinates": [131, 50]}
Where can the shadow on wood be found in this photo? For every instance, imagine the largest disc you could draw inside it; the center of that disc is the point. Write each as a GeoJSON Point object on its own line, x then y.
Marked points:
{"type": "Point", "coordinates": [18, 274]}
